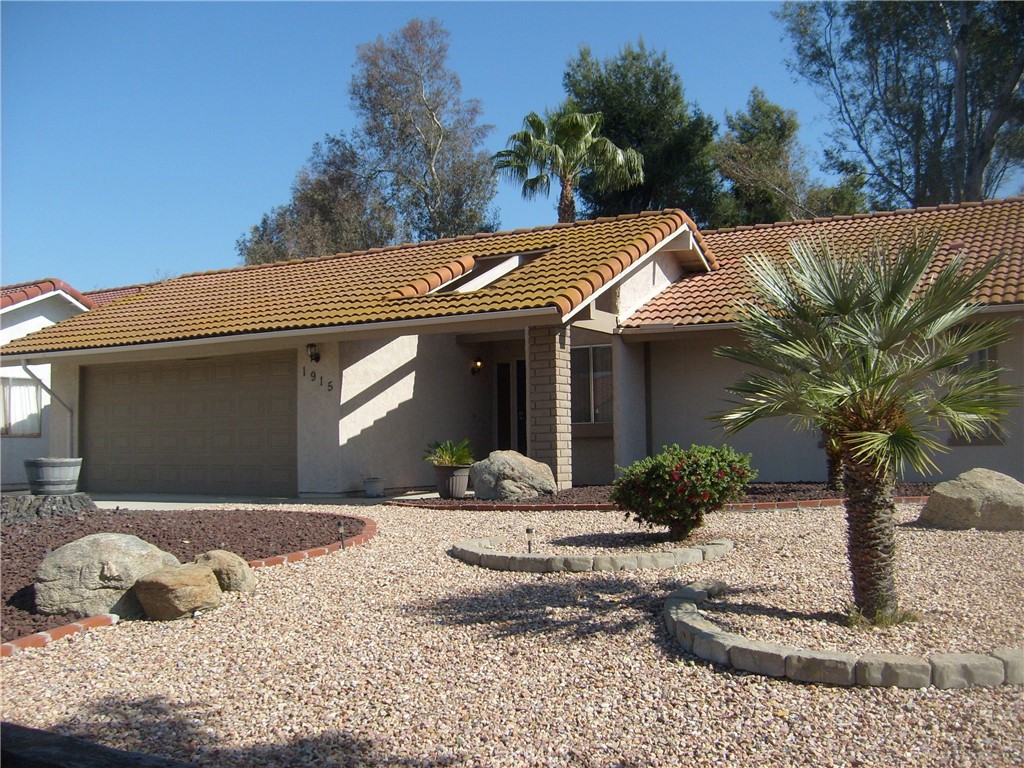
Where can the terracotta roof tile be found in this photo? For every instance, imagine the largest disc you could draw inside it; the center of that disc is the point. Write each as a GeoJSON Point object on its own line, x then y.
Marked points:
{"type": "Point", "coordinates": [378, 285]}
{"type": "Point", "coordinates": [15, 294]}
{"type": "Point", "coordinates": [981, 229]}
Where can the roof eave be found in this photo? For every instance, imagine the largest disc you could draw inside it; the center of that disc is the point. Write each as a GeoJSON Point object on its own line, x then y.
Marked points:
{"type": "Point", "coordinates": [477, 322]}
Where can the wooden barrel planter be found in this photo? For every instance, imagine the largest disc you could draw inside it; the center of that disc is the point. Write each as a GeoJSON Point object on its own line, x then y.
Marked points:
{"type": "Point", "coordinates": [52, 476]}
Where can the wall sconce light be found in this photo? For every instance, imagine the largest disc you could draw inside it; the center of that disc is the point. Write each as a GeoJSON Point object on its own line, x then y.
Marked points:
{"type": "Point", "coordinates": [478, 365]}
{"type": "Point", "coordinates": [313, 352]}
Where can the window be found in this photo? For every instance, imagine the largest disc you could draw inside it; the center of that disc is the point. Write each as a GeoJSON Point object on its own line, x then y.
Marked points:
{"type": "Point", "coordinates": [591, 385]}
{"type": "Point", "coordinates": [21, 411]}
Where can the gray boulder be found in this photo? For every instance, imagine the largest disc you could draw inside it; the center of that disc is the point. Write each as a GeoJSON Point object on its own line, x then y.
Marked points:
{"type": "Point", "coordinates": [509, 475]}
{"type": "Point", "coordinates": [95, 574]}
{"type": "Point", "coordinates": [232, 572]}
{"type": "Point", "coordinates": [980, 498]}
{"type": "Point", "coordinates": [178, 591]}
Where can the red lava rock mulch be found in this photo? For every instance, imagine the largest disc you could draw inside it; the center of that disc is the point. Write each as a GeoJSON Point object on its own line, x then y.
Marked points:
{"type": "Point", "coordinates": [253, 535]}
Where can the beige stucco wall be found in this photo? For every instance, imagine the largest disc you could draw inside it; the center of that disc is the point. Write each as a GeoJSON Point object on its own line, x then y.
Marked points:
{"type": "Point", "coordinates": [688, 384]}
{"type": "Point", "coordinates": [391, 397]}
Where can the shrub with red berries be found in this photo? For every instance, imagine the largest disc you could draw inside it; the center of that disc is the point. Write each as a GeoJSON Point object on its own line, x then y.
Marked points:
{"type": "Point", "coordinates": [676, 488]}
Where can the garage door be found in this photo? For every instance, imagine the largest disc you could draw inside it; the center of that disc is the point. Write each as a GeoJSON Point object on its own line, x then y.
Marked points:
{"type": "Point", "coordinates": [219, 426]}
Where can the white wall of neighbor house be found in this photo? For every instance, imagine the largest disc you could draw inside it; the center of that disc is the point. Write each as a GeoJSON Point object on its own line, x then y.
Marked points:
{"type": "Point", "coordinates": [370, 407]}
{"type": "Point", "coordinates": [17, 321]}
{"type": "Point", "coordinates": [687, 385]}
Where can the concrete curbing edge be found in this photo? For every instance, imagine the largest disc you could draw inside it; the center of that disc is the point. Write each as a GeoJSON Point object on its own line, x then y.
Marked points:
{"type": "Point", "coordinates": [480, 552]}
{"type": "Point", "coordinates": [44, 638]}
{"type": "Point", "coordinates": [705, 640]}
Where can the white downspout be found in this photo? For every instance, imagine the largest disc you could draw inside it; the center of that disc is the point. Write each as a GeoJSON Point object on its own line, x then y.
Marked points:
{"type": "Point", "coordinates": [68, 408]}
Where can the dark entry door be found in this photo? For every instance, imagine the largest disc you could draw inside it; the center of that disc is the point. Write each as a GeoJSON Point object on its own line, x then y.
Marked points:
{"type": "Point", "coordinates": [510, 395]}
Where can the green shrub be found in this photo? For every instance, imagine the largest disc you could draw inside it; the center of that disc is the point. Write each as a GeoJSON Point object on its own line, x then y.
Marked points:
{"type": "Point", "coordinates": [676, 488]}
{"type": "Point", "coordinates": [448, 453]}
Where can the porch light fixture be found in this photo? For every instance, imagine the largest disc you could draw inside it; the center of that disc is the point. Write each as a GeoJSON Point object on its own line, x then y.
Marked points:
{"type": "Point", "coordinates": [478, 365]}
{"type": "Point", "coordinates": [313, 352]}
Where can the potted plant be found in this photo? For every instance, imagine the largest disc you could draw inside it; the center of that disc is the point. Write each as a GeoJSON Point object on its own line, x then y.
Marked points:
{"type": "Point", "coordinates": [52, 476]}
{"type": "Point", "coordinates": [451, 462]}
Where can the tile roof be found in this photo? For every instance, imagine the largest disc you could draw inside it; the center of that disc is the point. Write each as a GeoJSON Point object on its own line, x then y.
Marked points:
{"type": "Point", "coordinates": [107, 295]}
{"type": "Point", "coordinates": [379, 285]}
{"type": "Point", "coordinates": [15, 294]}
{"type": "Point", "coordinates": [981, 229]}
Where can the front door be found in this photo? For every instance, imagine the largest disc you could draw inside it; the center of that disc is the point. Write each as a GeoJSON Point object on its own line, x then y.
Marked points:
{"type": "Point", "coordinates": [510, 396]}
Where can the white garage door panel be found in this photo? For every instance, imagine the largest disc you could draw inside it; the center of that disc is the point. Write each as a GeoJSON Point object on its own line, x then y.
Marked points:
{"type": "Point", "coordinates": [197, 426]}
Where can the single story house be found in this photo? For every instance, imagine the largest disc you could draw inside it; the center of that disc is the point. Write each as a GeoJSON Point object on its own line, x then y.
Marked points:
{"type": "Point", "coordinates": [584, 345]}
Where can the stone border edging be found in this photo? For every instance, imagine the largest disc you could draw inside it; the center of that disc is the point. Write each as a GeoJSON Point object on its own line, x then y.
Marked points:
{"type": "Point", "coordinates": [44, 638]}
{"type": "Point", "coordinates": [480, 552]}
{"type": "Point", "coordinates": [707, 641]}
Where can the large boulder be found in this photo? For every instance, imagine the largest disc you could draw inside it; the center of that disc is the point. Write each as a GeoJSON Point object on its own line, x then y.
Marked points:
{"type": "Point", "coordinates": [232, 572]}
{"type": "Point", "coordinates": [509, 475]}
{"type": "Point", "coordinates": [178, 591]}
{"type": "Point", "coordinates": [979, 498]}
{"type": "Point", "coordinates": [95, 574]}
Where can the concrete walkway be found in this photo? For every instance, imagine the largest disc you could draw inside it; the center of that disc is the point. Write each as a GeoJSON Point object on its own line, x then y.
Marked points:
{"type": "Point", "coordinates": [171, 501]}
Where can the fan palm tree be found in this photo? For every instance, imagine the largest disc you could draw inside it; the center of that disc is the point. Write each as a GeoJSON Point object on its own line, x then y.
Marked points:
{"type": "Point", "coordinates": [566, 145]}
{"type": "Point", "coordinates": [872, 348]}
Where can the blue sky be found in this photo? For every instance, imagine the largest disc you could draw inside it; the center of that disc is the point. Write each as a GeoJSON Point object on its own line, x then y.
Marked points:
{"type": "Point", "coordinates": [140, 140]}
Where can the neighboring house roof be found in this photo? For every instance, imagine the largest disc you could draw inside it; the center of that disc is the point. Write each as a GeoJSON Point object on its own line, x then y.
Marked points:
{"type": "Point", "coordinates": [567, 264]}
{"type": "Point", "coordinates": [108, 295]}
{"type": "Point", "coordinates": [980, 229]}
{"type": "Point", "coordinates": [11, 295]}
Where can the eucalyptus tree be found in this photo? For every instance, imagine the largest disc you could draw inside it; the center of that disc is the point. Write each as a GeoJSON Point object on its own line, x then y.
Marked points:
{"type": "Point", "coordinates": [927, 97]}
{"type": "Point", "coordinates": [872, 346]}
{"type": "Point", "coordinates": [564, 146]}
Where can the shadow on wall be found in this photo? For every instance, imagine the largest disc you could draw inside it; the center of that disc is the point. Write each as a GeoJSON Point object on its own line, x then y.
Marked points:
{"type": "Point", "coordinates": [399, 395]}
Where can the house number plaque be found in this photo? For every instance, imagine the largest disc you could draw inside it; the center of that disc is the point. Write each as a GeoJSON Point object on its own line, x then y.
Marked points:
{"type": "Point", "coordinates": [317, 378]}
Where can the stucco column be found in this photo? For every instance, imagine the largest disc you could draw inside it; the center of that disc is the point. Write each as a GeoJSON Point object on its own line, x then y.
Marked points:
{"type": "Point", "coordinates": [550, 398]}
{"type": "Point", "coordinates": [629, 409]}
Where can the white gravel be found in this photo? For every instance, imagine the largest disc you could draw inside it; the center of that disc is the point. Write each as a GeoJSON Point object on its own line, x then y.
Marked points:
{"type": "Point", "coordinates": [396, 654]}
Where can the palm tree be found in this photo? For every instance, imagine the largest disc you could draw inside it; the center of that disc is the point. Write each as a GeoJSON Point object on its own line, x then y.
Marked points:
{"type": "Point", "coordinates": [566, 145]}
{"type": "Point", "coordinates": [871, 348]}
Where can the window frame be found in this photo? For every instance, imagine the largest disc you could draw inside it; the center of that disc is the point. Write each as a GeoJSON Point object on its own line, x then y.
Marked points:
{"type": "Point", "coordinates": [592, 406]}
{"type": "Point", "coordinates": [5, 407]}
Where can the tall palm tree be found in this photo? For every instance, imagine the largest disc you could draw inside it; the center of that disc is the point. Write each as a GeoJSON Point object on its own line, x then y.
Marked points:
{"type": "Point", "coordinates": [870, 347]}
{"type": "Point", "coordinates": [565, 146]}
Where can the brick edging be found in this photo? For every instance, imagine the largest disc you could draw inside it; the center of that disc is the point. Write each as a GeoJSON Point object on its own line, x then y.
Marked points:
{"type": "Point", "coordinates": [744, 506]}
{"type": "Point", "coordinates": [44, 638]}
{"type": "Point", "coordinates": [705, 640]}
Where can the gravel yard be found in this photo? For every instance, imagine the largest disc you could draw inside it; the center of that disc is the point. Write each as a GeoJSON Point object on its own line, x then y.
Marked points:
{"type": "Point", "coordinates": [394, 653]}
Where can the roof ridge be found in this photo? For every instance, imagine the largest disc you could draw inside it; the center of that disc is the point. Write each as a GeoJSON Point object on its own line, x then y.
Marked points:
{"type": "Point", "coordinates": [424, 243]}
{"type": "Point", "coordinates": [122, 287]}
{"type": "Point", "coordinates": [41, 288]}
{"type": "Point", "coordinates": [867, 215]}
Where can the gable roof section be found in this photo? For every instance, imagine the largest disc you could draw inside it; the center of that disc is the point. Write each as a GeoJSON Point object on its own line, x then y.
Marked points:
{"type": "Point", "coordinates": [375, 286]}
{"type": "Point", "coordinates": [108, 295]}
{"type": "Point", "coordinates": [981, 230]}
{"type": "Point", "coordinates": [10, 295]}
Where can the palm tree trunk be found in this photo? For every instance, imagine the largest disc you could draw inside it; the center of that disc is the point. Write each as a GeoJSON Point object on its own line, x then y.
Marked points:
{"type": "Point", "coordinates": [871, 539]}
{"type": "Point", "coordinates": [833, 460]}
{"type": "Point", "coordinates": [566, 203]}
